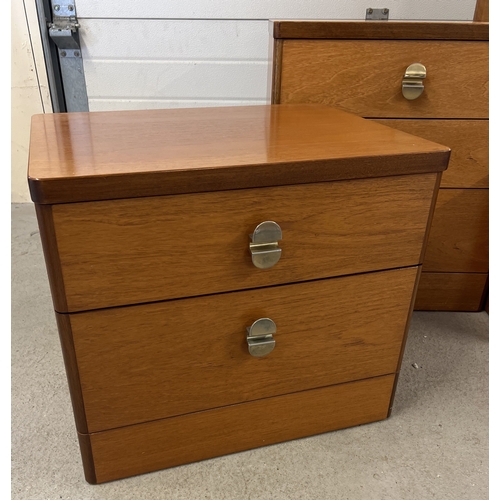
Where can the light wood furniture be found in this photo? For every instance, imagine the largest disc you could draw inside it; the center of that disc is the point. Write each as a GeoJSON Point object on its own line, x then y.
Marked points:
{"type": "Point", "coordinates": [359, 67]}
{"type": "Point", "coordinates": [145, 219]}
{"type": "Point", "coordinates": [482, 11]}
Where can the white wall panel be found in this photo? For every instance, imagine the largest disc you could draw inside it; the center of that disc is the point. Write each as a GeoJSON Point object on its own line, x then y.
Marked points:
{"type": "Point", "coordinates": [172, 39]}
{"type": "Point", "coordinates": [107, 104]}
{"type": "Point", "coordinates": [138, 64]}
{"type": "Point", "coordinates": [178, 79]}
{"type": "Point", "coordinates": [266, 9]}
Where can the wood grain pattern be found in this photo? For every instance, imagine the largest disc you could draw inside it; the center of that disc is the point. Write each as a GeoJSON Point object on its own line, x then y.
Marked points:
{"type": "Point", "coordinates": [159, 360]}
{"type": "Point", "coordinates": [430, 217]}
{"type": "Point", "coordinates": [405, 337]}
{"type": "Point", "coordinates": [340, 74]}
{"type": "Point", "coordinates": [51, 256]}
{"type": "Point", "coordinates": [390, 30]}
{"type": "Point", "coordinates": [178, 440]}
{"type": "Point", "coordinates": [124, 252]}
{"type": "Point", "coordinates": [451, 292]}
{"type": "Point", "coordinates": [469, 143]}
{"type": "Point", "coordinates": [482, 11]}
{"type": "Point", "coordinates": [274, 72]}
{"type": "Point", "coordinates": [97, 156]}
{"type": "Point", "coordinates": [87, 457]}
{"type": "Point", "coordinates": [458, 240]}
{"type": "Point", "coordinates": [72, 372]}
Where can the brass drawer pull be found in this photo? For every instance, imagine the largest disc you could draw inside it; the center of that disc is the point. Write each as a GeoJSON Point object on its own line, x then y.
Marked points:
{"type": "Point", "coordinates": [260, 337]}
{"type": "Point", "coordinates": [413, 85]}
{"type": "Point", "coordinates": [264, 244]}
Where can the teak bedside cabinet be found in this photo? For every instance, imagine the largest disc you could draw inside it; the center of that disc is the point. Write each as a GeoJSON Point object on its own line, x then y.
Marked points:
{"type": "Point", "coordinates": [216, 268]}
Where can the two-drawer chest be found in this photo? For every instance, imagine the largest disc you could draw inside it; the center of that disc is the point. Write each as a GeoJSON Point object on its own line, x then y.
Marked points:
{"type": "Point", "coordinates": [429, 79]}
{"type": "Point", "coordinates": [227, 278]}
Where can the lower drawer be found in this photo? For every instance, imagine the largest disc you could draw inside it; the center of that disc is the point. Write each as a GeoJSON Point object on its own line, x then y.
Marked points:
{"type": "Point", "coordinates": [154, 361]}
{"type": "Point", "coordinates": [137, 449]}
{"type": "Point", "coordinates": [458, 239]}
{"type": "Point", "coordinates": [451, 291]}
{"type": "Point", "coordinates": [468, 140]}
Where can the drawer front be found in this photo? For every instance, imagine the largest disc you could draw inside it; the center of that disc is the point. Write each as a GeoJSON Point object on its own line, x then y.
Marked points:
{"type": "Point", "coordinates": [458, 239]}
{"type": "Point", "coordinates": [451, 291]}
{"type": "Point", "coordinates": [165, 443]}
{"type": "Point", "coordinates": [130, 251]}
{"type": "Point", "coordinates": [153, 361]}
{"type": "Point", "coordinates": [468, 140]}
{"type": "Point", "coordinates": [364, 77]}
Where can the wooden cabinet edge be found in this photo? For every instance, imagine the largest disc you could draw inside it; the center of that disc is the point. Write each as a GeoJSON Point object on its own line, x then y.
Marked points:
{"type": "Point", "coordinates": [429, 220]}
{"type": "Point", "coordinates": [405, 337]}
{"type": "Point", "coordinates": [485, 300]}
{"type": "Point", "coordinates": [51, 255]}
{"type": "Point", "coordinates": [72, 374]}
{"type": "Point", "coordinates": [482, 11]}
{"type": "Point", "coordinates": [387, 30]}
{"type": "Point", "coordinates": [87, 457]}
{"type": "Point", "coordinates": [94, 188]}
{"type": "Point", "coordinates": [274, 70]}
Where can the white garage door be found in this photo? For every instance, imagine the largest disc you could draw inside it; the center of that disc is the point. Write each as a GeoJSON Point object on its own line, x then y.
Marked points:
{"type": "Point", "coordinates": [165, 53]}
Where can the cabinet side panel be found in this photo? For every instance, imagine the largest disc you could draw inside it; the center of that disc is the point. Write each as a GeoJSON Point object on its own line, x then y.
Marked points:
{"type": "Point", "coordinates": [51, 254]}
{"type": "Point", "coordinates": [72, 373]}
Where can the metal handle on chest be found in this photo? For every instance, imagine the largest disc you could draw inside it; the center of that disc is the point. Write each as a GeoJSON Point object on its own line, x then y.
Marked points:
{"type": "Point", "coordinates": [264, 244]}
{"type": "Point", "coordinates": [260, 337]}
{"type": "Point", "coordinates": [413, 85]}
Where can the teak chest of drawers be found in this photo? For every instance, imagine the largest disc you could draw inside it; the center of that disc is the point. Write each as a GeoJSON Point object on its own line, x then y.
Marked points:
{"type": "Point", "coordinates": [359, 67]}
{"type": "Point", "coordinates": [216, 268]}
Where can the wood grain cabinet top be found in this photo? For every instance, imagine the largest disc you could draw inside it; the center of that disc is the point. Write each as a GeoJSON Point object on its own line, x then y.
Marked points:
{"type": "Point", "coordinates": [109, 155]}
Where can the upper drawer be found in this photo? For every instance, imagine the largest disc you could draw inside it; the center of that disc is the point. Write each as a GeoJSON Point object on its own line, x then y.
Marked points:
{"type": "Point", "coordinates": [153, 361]}
{"type": "Point", "coordinates": [364, 76]}
{"type": "Point", "coordinates": [130, 251]}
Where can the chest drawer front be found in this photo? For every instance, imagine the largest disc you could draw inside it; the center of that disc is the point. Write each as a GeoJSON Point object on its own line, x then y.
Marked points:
{"type": "Point", "coordinates": [468, 140]}
{"type": "Point", "coordinates": [459, 237]}
{"type": "Point", "coordinates": [364, 77]}
{"type": "Point", "coordinates": [141, 250]}
{"type": "Point", "coordinates": [450, 291]}
{"type": "Point", "coordinates": [174, 441]}
{"type": "Point", "coordinates": [154, 361]}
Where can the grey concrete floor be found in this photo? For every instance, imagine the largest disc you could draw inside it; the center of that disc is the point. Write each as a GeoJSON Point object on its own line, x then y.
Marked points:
{"type": "Point", "coordinates": [434, 446]}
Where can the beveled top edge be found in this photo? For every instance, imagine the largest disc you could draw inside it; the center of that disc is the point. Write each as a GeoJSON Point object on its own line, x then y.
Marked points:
{"type": "Point", "coordinates": [110, 155]}
{"type": "Point", "coordinates": [381, 30]}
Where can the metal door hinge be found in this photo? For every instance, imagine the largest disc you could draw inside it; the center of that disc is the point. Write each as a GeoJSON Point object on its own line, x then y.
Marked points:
{"type": "Point", "coordinates": [377, 14]}
{"type": "Point", "coordinates": [64, 28]}
{"type": "Point", "coordinates": [63, 31]}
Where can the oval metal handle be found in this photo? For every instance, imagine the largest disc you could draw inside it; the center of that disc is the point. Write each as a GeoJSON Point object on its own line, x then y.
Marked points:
{"type": "Point", "coordinates": [264, 244]}
{"type": "Point", "coordinates": [260, 337]}
{"type": "Point", "coordinates": [413, 85]}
